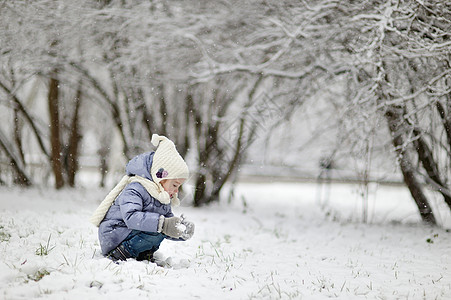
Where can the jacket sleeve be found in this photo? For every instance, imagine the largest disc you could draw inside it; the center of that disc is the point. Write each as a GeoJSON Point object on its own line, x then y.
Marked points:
{"type": "Point", "coordinates": [131, 205]}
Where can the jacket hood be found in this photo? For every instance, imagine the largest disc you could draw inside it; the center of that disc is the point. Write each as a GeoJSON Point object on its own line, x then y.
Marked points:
{"type": "Point", "coordinates": [140, 165]}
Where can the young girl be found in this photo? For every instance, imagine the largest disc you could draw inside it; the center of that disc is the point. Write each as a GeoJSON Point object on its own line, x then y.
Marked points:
{"type": "Point", "coordinates": [136, 215]}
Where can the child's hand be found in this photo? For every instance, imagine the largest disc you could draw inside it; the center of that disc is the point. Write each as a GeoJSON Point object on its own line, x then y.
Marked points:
{"type": "Point", "coordinates": [189, 229]}
{"type": "Point", "coordinates": [171, 227]}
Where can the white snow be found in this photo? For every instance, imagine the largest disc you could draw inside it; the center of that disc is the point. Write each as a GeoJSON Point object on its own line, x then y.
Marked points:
{"type": "Point", "coordinates": [181, 227]}
{"type": "Point", "coordinates": [274, 241]}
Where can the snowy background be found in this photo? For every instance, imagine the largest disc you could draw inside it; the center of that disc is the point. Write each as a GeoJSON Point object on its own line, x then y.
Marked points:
{"type": "Point", "coordinates": [272, 241]}
{"type": "Point", "coordinates": [282, 87]}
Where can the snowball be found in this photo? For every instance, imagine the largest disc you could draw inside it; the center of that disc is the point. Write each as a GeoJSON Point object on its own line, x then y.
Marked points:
{"type": "Point", "coordinates": [181, 227]}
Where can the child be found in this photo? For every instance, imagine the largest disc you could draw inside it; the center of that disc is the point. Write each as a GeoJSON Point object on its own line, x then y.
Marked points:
{"type": "Point", "coordinates": [136, 215]}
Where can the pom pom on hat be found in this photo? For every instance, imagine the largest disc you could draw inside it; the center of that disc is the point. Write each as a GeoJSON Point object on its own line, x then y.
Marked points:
{"type": "Point", "coordinates": [167, 162]}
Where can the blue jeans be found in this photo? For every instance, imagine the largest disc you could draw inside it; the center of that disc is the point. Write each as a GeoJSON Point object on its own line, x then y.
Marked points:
{"type": "Point", "coordinates": [140, 241]}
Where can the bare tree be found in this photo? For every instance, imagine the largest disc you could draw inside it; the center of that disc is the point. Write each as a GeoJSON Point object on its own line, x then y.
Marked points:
{"type": "Point", "coordinates": [142, 61]}
{"type": "Point", "coordinates": [35, 58]}
{"type": "Point", "coordinates": [400, 51]}
{"type": "Point", "coordinates": [207, 74]}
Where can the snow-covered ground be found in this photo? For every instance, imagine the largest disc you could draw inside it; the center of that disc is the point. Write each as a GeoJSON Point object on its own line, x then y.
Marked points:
{"type": "Point", "coordinates": [274, 241]}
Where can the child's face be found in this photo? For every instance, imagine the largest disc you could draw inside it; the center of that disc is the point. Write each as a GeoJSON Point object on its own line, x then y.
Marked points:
{"type": "Point", "coordinates": [171, 186]}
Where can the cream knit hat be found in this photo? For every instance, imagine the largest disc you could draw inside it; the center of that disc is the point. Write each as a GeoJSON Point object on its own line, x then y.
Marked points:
{"type": "Point", "coordinates": [167, 162]}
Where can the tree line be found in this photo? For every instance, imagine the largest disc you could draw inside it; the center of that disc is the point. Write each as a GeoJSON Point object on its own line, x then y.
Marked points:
{"type": "Point", "coordinates": [208, 74]}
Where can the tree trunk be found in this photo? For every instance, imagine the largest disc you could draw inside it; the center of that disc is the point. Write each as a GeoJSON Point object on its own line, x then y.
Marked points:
{"type": "Point", "coordinates": [163, 110]}
{"type": "Point", "coordinates": [74, 142]}
{"type": "Point", "coordinates": [20, 176]}
{"type": "Point", "coordinates": [18, 135]}
{"type": "Point", "coordinates": [445, 119]}
{"type": "Point", "coordinates": [395, 119]}
{"type": "Point", "coordinates": [103, 153]}
{"type": "Point", "coordinates": [430, 165]}
{"type": "Point", "coordinates": [445, 115]}
{"type": "Point", "coordinates": [199, 192]}
{"type": "Point", "coordinates": [55, 141]}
